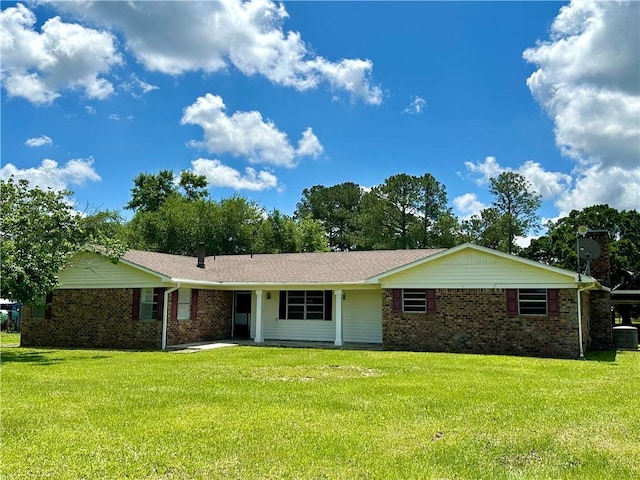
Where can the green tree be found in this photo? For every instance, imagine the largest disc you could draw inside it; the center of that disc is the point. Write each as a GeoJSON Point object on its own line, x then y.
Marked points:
{"type": "Point", "coordinates": [485, 228]}
{"type": "Point", "coordinates": [558, 246]}
{"type": "Point", "coordinates": [391, 209]}
{"type": "Point", "coordinates": [516, 205]}
{"type": "Point", "coordinates": [40, 234]}
{"type": "Point", "coordinates": [438, 225]}
{"type": "Point", "coordinates": [280, 233]}
{"type": "Point", "coordinates": [150, 191]}
{"type": "Point", "coordinates": [194, 186]}
{"type": "Point", "coordinates": [336, 208]}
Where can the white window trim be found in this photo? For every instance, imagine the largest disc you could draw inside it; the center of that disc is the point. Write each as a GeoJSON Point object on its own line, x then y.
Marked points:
{"type": "Point", "coordinates": [543, 302]}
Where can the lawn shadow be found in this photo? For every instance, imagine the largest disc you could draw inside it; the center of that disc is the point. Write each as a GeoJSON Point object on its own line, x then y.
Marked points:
{"type": "Point", "coordinates": [608, 356]}
{"type": "Point", "coordinates": [39, 357]}
{"type": "Point", "coordinates": [20, 356]}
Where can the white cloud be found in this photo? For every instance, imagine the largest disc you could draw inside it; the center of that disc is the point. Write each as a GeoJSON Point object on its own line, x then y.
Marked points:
{"type": "Point", "coordinates": [416, 106]}
{"type": "Point", "coordinates": [468, 205]}
{"type": "Point", "coordinates": [548, 184]}
{"type": "Point", "coordinates": [220, 175]}
{"type": "Point", "coordinates": [309, 145]}
{"type": "Point", "coordinates": [484, 170]}
{"type": "Point", "coordinates": [614, 186]}
{"type": "Point", "coordinates": [137, 87]}
{"type": "Point", "coordinates": [588, 82]}
{"type": "Point", "coordinates": [246, 134]}
{"type": "Point", "coordinates": [90, 110]}
{"type": "Point", "coordinates": [50, 175]}
{"type": "Point", "coordinates": [211, 36]}
{"type": "Point", "coordinates": [36, 66]}
{"type": "Point", "coordinates": [40, 141]}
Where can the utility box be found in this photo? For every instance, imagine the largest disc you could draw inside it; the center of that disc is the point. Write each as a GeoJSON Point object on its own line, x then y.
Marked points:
{"type": "Point", "coordinates": [625, 337]}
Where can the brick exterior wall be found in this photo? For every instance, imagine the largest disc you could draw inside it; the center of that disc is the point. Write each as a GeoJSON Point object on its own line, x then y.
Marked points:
{"type": "Point", "coordinates": [601, 321]}
{"type": "Point", "coordinates": [102, 318]}
{"type": "Point", "coordinates": [476, 321]}
{"type": "Point", "coordinates": [215, 310]}
{"type": "Point", "coordinates": [92, 318]}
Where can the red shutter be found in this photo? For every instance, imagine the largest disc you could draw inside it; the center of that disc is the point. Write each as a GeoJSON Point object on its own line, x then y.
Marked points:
{"type": "Point", "coordinates": [174, 305]}
{"type": "Point", "coordinates": [159, 292]}
{"type": "Point", "coordinates": [135, 310]}
{"type": "Point", "coordinates": [431, 300]}
{"type": "Point", "coordinates": [512, 302]}
{"type": "Point", "coordinates": [194, 304]}
{"type": "Point", "coordinates": [396, 302]}
{"type": "Point", "coordinates": [282, 312]}
{"type": "Point", "coordinates": [328, 304]}
{"type": "Point", "coordinates": [48, 301]}
{"type": "Point", "coordinates": [553, 302]}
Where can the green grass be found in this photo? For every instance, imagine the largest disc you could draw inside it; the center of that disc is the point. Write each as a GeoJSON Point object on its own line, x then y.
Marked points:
{"type": "Point", "coordinates": [9, 339]}
{"type": "Point", "coordinates": [262, 413]}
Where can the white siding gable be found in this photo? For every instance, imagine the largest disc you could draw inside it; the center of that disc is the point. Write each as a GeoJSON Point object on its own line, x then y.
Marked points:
{"type": "Point", "coordinates": [475, 268]}
{"type": "Point", "coordinates": [89, 270]}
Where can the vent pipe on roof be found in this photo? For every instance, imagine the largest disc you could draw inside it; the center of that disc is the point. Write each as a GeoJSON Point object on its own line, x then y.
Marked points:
{"type": "Point", "coordinates": [201, 255]}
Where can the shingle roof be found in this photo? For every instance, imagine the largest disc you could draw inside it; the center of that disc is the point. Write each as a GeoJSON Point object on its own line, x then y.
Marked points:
{"type": "Point", "coordinates": [291, 268]}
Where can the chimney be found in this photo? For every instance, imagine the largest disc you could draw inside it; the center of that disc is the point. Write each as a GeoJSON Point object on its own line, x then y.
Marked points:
{"type": "Point", "coordinates": [201, 255]}
{"type": "Point", "coordinates": [601, 266]}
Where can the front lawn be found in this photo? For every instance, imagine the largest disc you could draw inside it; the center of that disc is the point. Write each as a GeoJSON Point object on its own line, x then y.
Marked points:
{"type": "Point", "coordinates": [260, 413]}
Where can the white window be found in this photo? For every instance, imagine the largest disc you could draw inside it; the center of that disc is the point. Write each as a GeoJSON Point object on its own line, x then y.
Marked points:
{"type": "Point", "coordinates": [305, 305]}
{"type": "Point", "coordinates": [532, 301]}
{"type": "Point", "coordinates": [414, 300]}
{"type": "Point", "coordinates": [184, 304]}
{"type": "Point", "coordinates": [148, 304]}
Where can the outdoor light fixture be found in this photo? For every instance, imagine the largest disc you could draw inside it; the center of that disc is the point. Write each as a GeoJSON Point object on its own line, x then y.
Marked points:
{"type": "Point", "coordinates": [268, 295]}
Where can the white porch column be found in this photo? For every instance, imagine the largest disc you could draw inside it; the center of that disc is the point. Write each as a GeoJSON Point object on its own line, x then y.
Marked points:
{"type": "Point", "coordinates": [338, 294]}
{"type": "Point", "coordinates": [259, 337]}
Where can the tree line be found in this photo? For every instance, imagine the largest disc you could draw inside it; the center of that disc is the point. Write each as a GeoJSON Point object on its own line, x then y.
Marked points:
{"type": "Point", "coordinates": [41, 231]}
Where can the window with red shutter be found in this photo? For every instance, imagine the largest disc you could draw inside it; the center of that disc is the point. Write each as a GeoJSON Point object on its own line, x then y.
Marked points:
{"type": "Point", "coordinates": [135, 311]}
{"type": "Point", "coordinates": [512, 302]}
{"type": "Point", "coordinates": [174, 305]}
{"type": "Point", "coordinates": [396, 300]}
{"type": "Point", "coordinates": [431, 300]}
{"type": "Point", "coordinates": [194, 304]}
{"type": "Point", "coordinates": [553, 302]}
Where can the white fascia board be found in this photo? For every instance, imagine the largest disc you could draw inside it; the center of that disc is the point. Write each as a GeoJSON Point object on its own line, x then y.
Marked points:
{"type": "Point", "coordinates": [487, 285]}
{"type": "Point", "coordinates": [276, 285]}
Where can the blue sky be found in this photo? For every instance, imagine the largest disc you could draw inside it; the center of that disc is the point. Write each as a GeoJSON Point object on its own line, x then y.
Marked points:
{"type": "Point", "coordinates": [267, 99]}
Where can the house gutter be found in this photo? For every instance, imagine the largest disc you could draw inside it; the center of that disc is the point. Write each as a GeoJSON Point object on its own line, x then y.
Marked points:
{"type": "Point", "coordinates": [580, 290]}
{"type": "Point", "coordinates": [165, 314]}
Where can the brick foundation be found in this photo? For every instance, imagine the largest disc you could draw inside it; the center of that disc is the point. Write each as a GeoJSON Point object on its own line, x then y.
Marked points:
{"type": "Point", "coordinates": [475, 321]}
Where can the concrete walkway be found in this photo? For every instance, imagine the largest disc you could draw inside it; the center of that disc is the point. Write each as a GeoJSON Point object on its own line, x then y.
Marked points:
{"type": "Point", "coordinates": [198, 347]}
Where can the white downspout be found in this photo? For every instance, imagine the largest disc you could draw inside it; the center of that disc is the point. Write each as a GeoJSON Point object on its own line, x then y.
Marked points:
{"type": "Point", "coordinates": [580, 290]}
{"type": "Point", "coordinates": [165, 314]}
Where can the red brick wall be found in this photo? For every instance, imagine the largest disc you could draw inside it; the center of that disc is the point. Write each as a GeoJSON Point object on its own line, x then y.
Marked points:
{"type": "Point", "coordinates": [601, 321]}
{"type": "Point", "coordinates": [101, 318]}
{"type": "Point", "coordinates": [476, 321]}
{"type": "Point", "coordinates": [93, 318]}
{"type": "Point", "coordinates": [213, 321]}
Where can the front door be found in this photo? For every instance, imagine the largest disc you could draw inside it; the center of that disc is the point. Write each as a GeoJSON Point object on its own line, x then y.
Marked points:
{"type": "Point", "coordinates": [241, 314]}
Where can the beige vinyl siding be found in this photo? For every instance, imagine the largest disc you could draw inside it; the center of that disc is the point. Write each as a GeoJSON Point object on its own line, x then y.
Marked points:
{"type": "Point", "coordinates": [362, 316]}
{"type": "Point", "coordinates": [361, 320]}
{"type": "Point", "coordinates": [475, 269]}
{"type": "Point", "coordinates": [303, 330]}
{"type": "Point", "coordinates": [89, 270]}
